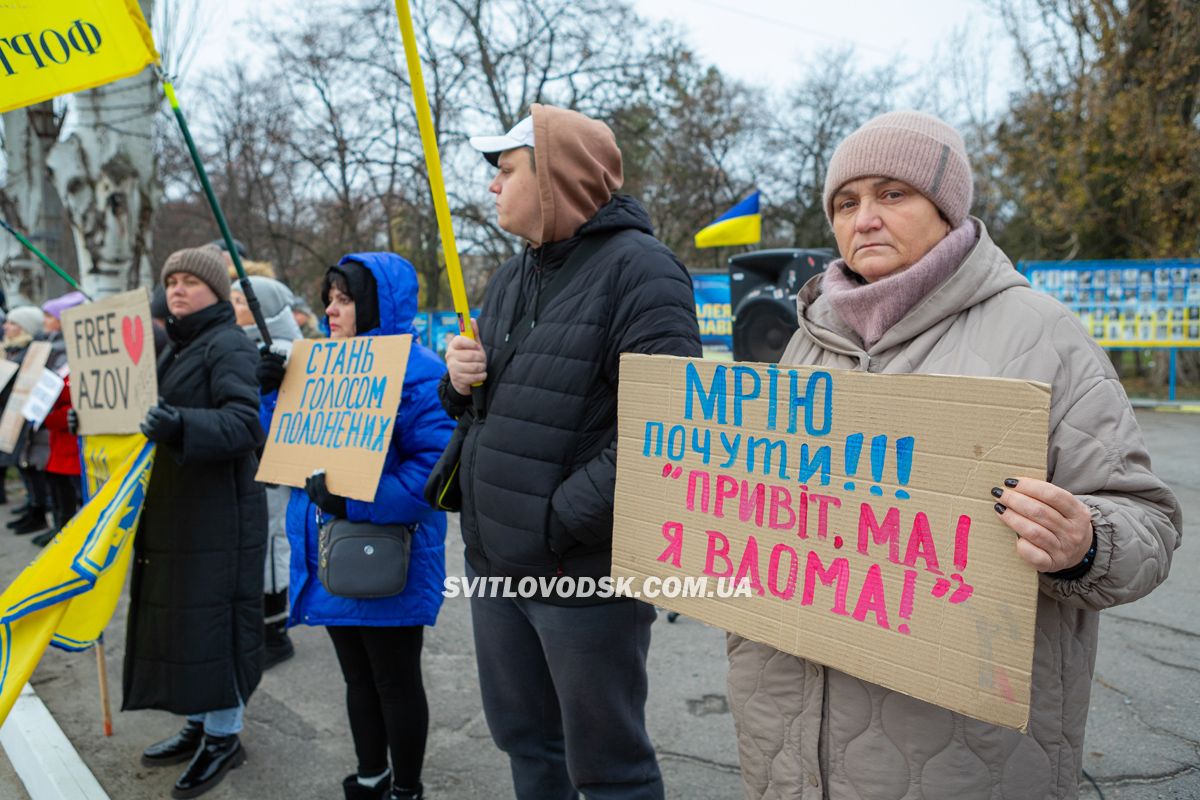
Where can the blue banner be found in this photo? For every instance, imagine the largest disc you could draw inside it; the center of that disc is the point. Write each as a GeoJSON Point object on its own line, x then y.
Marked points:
{"type": "Point", "coordinates": [713, 311]}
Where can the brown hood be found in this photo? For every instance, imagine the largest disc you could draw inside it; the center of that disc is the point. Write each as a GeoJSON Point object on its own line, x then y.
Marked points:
{"type": "Point", "coordinates": [578, 168]}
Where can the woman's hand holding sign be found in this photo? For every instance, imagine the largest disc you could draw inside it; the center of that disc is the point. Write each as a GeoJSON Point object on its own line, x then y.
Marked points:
{"type": "Point", "coordinates": [1053, 527]}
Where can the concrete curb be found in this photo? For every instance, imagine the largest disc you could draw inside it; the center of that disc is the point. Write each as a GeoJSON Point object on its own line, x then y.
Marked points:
{"type": "Point", "coordinates": [1165, 406]}
{"type": "Point", "coordinates": [42, 755]}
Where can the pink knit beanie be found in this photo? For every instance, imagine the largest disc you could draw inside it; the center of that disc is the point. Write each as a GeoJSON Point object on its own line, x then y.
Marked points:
{"type": "Point", "coordinates": [909, 146]}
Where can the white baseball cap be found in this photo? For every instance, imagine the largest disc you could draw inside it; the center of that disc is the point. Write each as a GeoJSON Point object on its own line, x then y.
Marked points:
{"type": "Point", "coordinates": [521, 135]}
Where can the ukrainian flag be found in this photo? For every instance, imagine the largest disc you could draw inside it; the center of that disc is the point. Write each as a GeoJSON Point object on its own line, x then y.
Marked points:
{"type": "Point", "coordinates": [741, 224]}
{"type": "Point", "coordinates": [69, 593]}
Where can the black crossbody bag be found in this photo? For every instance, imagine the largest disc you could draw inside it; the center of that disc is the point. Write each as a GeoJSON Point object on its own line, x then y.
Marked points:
{"type": "Point", "coordinates": [442, 490]}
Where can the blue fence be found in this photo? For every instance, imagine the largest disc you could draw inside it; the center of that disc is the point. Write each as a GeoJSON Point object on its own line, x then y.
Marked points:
{"type": "Point", "coordinates": [1128, 304]}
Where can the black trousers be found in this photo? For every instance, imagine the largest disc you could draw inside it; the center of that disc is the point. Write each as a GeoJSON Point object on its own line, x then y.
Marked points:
{"type": "Point", "coordinates": [564, 693]}
{"type": "Point", "coordinates": [385, 698]}
{"type": "Point", "coordinates": [35, 487]}
{"type": "Point", "coordinates": [64, 491]}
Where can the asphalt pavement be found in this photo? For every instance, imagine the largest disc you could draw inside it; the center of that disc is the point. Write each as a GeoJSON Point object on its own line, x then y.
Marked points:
{"type": "Point", "coordinates": [1143, 738]}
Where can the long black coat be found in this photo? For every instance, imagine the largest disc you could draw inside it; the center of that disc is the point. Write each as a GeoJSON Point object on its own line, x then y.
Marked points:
{"type": "Point", "coordinates": [539, 474]}
{"type": "Point", "coordinates": [195, 627]}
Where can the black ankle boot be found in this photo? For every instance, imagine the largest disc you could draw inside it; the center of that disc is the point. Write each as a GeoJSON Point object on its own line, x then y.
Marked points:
{"type": "Point", "coordinates": [179, 748]}
{"type": "Point", "coordinates": [407, 794]}
{"type": "Point", "coordinates": [216, 756]}
{"type": "Point", "coordinates": [32, 520]}
{"type": "Point", "coordinates": [356, 791]}
{"type": "Point", "coordinates": [45, 538]}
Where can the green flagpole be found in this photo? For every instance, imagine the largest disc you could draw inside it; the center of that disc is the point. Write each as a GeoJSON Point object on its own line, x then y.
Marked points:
{"type": "Point", "coordinates": [45, 259]}
{"type": "Point", "coordinates": [247, 288]}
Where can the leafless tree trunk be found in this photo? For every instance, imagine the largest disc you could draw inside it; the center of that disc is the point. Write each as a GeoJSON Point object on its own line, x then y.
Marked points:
{"type": "Point", "coordinates": [28, 202]}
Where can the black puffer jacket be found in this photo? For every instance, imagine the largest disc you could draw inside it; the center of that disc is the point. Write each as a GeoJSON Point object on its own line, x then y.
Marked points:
{"type": "Point", "coordinates": [195, 628]}
{"type": "Point", "coordinates": [538, 473]}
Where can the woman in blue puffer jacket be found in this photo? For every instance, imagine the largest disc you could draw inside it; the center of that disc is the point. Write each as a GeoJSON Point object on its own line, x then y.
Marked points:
{"type": "Point", "coordinates": [378, 641]}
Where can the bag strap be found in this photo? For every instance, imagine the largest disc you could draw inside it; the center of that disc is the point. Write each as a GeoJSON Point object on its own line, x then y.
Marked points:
{"type": "Point", "coordinates": [583, 252]}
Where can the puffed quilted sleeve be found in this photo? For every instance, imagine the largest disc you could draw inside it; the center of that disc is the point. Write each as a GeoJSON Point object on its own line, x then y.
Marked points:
{"type": "Point", "coordinates": [1097, 453]}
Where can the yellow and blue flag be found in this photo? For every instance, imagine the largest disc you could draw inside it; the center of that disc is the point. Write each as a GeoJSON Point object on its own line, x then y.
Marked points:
{"type": "Point", "coordinates": [741, 224]}
{"type": "Point", "coordinates": [53, 47]}
{"type": "Point", "coordinates": [68, 594]}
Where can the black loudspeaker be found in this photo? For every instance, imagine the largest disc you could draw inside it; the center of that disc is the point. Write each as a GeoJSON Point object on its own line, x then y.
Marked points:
{"type": "Point", "coordinates": [762, 294]}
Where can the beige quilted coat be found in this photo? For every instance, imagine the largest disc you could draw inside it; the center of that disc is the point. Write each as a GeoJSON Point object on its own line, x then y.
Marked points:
{"type": "Point", "coordinates": [810, 733]}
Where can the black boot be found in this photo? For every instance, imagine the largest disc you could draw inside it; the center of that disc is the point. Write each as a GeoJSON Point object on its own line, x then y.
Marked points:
{"type": "Point", "coordinates": [216, 756]}
{"type": "Point", "coordinates": [43, 539]}
{"type": "Point", "coordinates": [407, 794]}
{"type": "Point", "coordinates": [356, 791]}
{"type": "Point", "coordinates": [179, 748]}
{"type": "Point", "coordinates": [31, 515]}
{"type": "Point", "coordinates": [278, 646]}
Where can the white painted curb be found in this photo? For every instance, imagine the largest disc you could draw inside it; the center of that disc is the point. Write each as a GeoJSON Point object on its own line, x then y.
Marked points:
{"type": "Point", "coordinates": [42, 755]}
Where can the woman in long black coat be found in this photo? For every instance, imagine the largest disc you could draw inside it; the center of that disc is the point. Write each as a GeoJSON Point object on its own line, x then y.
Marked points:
{"type": "Point", "coordinates": [194, 643]}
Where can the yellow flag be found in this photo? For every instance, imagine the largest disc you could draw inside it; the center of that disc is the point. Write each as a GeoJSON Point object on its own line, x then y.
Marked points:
{"type": "Point", "coordinates": [53, 47]}
{"type": "Point", "coordinates": [69, 592]}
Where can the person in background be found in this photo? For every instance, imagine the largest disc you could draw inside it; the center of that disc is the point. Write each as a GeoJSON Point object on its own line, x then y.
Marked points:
{"type": "Point", "coordinates": [922, 288]}
{"type": "Point", "coordinates": [158, 318]}
{"type": "Point", "coordinates": [33, 447]}
{"type": "Point", "coordinates": [21, 324]}
{"type": "Point", "coordinates": [273, 299]}
{"type": "Point", "coordinates": [194, 637]}
{"type": "Point", "coordinates": [62, 464]}
{"type": "Point", "coordinates": [303, 314]}
{"type": "Point", "coordinates": [378, 641]}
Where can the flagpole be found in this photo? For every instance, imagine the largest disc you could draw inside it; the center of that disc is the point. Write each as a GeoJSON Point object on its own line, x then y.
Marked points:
{"type": "Point", "coordinates": [247, 288]}
{"type": "Point", "coordinates": [102, 669]}
{"type": "Point", "coordinates": [44, 258]}
{"type": "Point", "coordinates": [433, 165]}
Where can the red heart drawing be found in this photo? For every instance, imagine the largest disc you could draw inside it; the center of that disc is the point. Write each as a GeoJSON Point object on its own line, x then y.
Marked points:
{"type": "Point", "coordinates": [134, 336]}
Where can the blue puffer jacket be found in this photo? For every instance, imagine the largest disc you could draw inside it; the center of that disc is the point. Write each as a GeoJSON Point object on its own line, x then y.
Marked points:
{"type": "Point", "coordinates": [420, 434]}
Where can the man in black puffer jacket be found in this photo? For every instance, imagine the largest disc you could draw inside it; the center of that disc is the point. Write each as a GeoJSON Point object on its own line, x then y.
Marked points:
{"type": "Point", "coordinates": [563, 677]}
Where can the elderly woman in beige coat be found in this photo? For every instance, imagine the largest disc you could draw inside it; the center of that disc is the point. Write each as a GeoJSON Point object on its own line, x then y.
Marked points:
{"type": "Point", "coordinates": [920, 287]}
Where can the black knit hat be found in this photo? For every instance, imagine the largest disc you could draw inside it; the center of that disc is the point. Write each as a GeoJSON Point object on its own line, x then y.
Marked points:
{"type": "Point", "coordinates": [363, 290]}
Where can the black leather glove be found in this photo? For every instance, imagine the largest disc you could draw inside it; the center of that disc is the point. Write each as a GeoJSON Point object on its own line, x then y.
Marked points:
{"type": "Point", "coordinates": [72, 422]}
{"type": "Point", "coordinates": [271, 367]}
{"type": "Point", "coordinates": [318, 492]}
{"type": "Point", "coordinates": [163, 424]}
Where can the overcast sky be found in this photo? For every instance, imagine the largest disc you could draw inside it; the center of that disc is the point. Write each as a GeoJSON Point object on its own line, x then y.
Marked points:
{"type": "Point", "coordinates": [762, 42]}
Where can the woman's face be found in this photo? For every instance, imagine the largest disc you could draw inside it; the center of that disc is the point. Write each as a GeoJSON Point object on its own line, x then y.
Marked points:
{"type": "Point", "coordinates": [187, 294]}
{"type": "Point", "coordinates": [340, 313]}
{"type": "Point", "coordinates": [883, 226]}
{"type": "Point", "coordinates": [241, 308]}
{"type": "Point", "coordinates": [50, 323]}
{"type": "Point", "coordinates": [11, 330]}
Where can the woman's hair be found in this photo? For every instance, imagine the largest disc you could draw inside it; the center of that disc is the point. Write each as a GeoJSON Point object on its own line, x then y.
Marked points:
{"type": "Point", "coordinates": [335, 279]}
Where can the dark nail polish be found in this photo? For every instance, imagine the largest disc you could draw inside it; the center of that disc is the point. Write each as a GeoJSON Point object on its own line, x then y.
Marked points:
{"type": "Point", "coordinates": [1000, 508]}
{"type": "Point", "coordinates": [996, 492]}
{"type": "Point", "coordinates": [1010, 482]}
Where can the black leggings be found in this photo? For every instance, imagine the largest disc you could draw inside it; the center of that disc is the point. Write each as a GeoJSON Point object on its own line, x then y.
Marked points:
{"type": "Point", "coordinates": [385, 698]}
{"type": "Point", "coordinates": [64, 491]}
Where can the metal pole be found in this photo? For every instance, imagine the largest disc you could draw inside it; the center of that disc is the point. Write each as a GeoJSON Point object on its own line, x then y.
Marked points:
{"type": "Point", "coordinates": [1171, 390]}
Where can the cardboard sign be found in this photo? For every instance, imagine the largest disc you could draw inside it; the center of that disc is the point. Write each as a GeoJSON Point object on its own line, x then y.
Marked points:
{"type": "Point", "coordinates": [844, 517]}
{"type": "Point", "coordinates": [27, 377]}
{"type": "Point", "coordinates": [42, 397]}
{"type": "Point", "coordinates": [110, 347]}
{"type": "Point", "coordinates": [7, 370]}
{"type": "Point", "coordinates": [336, 411]}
